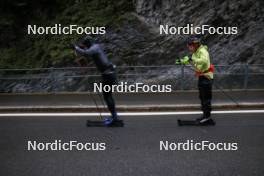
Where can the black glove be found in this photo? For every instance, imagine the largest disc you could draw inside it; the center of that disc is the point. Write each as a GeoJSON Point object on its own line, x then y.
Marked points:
{"type": "Point", "coordinates": [71, 46]}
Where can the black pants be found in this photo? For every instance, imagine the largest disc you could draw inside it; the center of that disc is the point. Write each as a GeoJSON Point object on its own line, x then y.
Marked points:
{"type": "Point", "coordinates": [205, 95]}
{"type": "Point", "coordinates": [109, 79]}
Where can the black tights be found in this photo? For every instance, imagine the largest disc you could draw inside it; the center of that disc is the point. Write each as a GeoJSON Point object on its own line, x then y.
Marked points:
{"type": "Point", "coordinates": [205, 95]}
{"type": "Point", "coordinates": [110, 79]}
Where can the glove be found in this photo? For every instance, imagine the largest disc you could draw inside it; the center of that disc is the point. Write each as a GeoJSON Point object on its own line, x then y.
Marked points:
{"type": "Point", "coordinates": [184, 61]}
{"type": "Point", "coordinates": [178, 61]}
{"type": "Point", "coordinates": [71, 46]}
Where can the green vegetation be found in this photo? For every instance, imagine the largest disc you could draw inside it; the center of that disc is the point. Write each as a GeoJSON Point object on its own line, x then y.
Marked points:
{"type": "Point", "coordinates": [23, 51]}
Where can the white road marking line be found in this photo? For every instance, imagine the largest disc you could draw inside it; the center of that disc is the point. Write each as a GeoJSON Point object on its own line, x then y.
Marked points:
{"type": "Point", "coordinates": [127, 113]}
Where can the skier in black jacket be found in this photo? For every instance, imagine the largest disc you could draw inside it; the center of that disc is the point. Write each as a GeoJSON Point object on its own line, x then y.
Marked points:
{"type": "Point", "coordinates": [87, 47]}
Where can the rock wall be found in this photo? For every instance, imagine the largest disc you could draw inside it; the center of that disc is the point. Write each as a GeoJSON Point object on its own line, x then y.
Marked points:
{"type": "Point", "coordinates": [136, 41]}
{"type": "Point", "coordinates": [247, 15]}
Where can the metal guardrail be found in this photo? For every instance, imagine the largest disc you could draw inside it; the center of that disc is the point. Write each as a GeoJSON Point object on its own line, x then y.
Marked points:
{"type": "Point", "coordinates": [180, 77]}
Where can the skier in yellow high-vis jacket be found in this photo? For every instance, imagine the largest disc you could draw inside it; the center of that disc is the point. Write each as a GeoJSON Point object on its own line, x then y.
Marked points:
{"type": "Point", "coordinates": [204, 71]}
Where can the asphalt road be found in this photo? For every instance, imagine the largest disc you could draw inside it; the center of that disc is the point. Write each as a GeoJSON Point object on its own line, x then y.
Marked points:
{"type": "Point", "coordinates": [134, 149]}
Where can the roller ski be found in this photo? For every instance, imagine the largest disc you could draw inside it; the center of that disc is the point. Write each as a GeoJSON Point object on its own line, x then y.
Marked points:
{"type": "Point", "coordinates": [108, 122]}
{"type": "Point", "coordinates": [197, 122]}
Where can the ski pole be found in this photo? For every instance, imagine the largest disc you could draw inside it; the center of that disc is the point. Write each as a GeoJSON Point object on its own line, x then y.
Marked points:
{"type": "Point", "coordinates": [96, 105]}
{"type": "Point", "coordinates": [228, 96]}
{"type": "Point", "coordinates": [102, 100]}
{"type": "Point", "coordinates": [223, 92]}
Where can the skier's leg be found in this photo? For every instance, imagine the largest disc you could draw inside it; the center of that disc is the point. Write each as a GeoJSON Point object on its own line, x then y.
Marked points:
{"type": "Point", "coordinates": [110, 80]}
{"type": "Point", "coordinates": [202, 96]}
{"type": "Point", "coordinates": [208, 99]}
{"type": "Point", "coordinates": [205, 94]}
{"type": "Point", "coordinates": [110, 102]}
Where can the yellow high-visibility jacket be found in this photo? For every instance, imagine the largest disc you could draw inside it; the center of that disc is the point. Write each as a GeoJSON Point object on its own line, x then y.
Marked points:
{"type": "Point", "coordinates": [201, 61]}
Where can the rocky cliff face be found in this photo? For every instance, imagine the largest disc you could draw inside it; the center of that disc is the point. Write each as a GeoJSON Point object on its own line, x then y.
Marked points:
{"type": "Point", "coordinates": [134, 38]}
{"type": "Point", "coordinates": [247, 15]}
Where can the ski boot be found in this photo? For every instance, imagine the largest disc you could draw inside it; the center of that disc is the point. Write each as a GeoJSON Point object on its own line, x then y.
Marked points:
{"type": "Point", "coordinates": [112, 122]}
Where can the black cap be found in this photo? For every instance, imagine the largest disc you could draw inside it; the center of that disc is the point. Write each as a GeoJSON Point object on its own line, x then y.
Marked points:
{"type": "Point", "coordinates": [193, 39]}
{"type": "Point", "coordinates": [87, 41]}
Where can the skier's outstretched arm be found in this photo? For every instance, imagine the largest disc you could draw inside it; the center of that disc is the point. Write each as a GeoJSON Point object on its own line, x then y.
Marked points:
{"type": "Point", "coordinates": [85, 52]}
